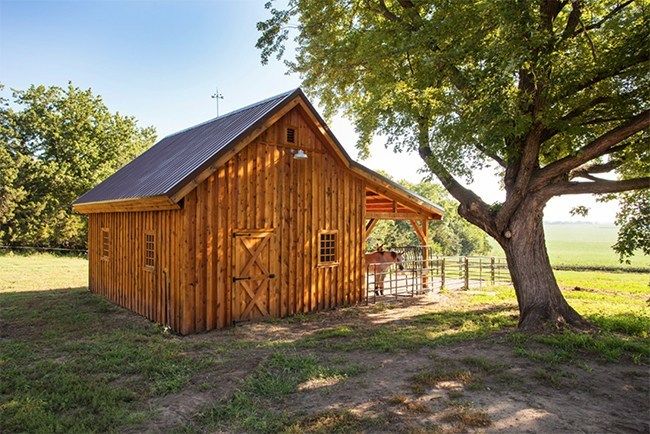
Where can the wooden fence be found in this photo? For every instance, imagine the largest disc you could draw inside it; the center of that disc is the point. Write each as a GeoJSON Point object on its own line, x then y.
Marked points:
{"type": "Point", "coordinates": [426, 272]}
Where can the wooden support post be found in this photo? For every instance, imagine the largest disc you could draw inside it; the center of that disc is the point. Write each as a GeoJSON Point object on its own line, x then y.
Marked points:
{"type": "Point", "coordinates": [492, 270]}
{"type": "Point", "coordinates": [425, 256]}
{"type": "Point", "coordinates": [421, 229]}
{"type": "Point", "coordinates": [466, 273]}
{"type": "Point", "coordinates": [442, 274]}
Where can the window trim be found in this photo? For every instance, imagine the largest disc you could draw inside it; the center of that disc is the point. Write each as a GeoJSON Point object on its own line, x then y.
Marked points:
{"type": "Point", "coordinates": [105, 244]}
{"type": "Point", "coordinates": [146, 250]}
{"type": "Point", "coordinates": [335, 246]}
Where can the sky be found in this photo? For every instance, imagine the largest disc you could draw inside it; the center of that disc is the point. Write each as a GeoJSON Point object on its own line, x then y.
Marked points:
{"type": "Point", "coordinates": [162, 61]}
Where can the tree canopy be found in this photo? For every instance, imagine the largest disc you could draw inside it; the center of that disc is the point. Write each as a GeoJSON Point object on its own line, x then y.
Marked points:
{"type": "Point", "coordinates": [551, 93]}
{"type": "Point", "coordinates": [55, 144]}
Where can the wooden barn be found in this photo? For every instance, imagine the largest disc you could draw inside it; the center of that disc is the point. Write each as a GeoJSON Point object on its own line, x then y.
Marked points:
{"type": "Point", "coordinates": [259, 212]}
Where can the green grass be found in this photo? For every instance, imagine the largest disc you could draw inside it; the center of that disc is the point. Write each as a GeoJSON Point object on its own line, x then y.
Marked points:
{"type": "Point", "coordinates": [74, 362]}
{"type": "Point", "coordinates": [251, 407]}
{"type": "Point", "coordinates": [35, 272]}
{"type": "Point", "coordinates": [615, 302]}
{"type": "Point", "coordinates": [71, 361]}
{"type": "Point", "coordinates": [582, 244]}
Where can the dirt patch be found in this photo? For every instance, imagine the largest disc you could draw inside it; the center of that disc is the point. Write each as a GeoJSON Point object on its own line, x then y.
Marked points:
{"type": "Point", "coordinates": [477, 385]}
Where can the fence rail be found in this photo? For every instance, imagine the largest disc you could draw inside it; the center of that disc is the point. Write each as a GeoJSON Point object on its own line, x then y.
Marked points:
{"type": "Point", "coordinates": [426, 272]}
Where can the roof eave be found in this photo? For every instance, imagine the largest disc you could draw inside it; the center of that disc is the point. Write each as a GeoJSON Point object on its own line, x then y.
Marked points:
{"type": "Point", "coordinates": [147, 203]}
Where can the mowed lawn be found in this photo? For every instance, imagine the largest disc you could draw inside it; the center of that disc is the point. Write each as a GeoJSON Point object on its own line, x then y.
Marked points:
{"type": "Point", "coordinates": [72, 362]}
{"type": "Point", "coordinates": [582, 244]}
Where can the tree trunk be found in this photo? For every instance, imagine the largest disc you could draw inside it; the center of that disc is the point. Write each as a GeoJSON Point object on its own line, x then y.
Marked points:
{"type": "Point", "coordinates": [541, 304]}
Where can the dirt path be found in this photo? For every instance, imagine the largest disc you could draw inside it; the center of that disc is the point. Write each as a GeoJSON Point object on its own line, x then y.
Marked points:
{"type": "Point", "coordinates": [478, 385]}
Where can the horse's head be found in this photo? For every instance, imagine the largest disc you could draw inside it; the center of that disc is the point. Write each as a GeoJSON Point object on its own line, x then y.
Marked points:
{"type": "Point", "coordinates": [398, 258]}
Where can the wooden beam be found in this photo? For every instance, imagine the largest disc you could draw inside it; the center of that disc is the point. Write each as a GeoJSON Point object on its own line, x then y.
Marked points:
{"type": "Point", "coordinates": [393, 215]}
{"type": "Point", "coordinates": [420, 231]}
{"type": "Point", "coordinates": [378, 185]}
{"type": "Point", "coordinates": [155, 203]}
{"type": "Point", "coordinates": [369, 227]}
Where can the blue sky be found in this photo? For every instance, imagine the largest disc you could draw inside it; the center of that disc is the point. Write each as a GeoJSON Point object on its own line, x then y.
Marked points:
{"type": "Point", "coordinates": [161, 62]}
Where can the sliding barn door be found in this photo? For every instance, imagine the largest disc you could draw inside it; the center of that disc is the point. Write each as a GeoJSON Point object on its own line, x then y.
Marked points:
{"type": "Point", "coordinates": [254, 292]}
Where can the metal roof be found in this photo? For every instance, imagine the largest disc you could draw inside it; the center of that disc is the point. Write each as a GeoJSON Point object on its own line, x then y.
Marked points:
{"type": "Point", "coordinates": [164, 167]}
{"type": "Point", "coordinates": [168, 165]}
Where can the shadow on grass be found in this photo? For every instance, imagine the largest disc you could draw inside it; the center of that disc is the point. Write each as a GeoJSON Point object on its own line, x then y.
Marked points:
{"type": "Point", "coordinates": [429, 329]}
{"type": "Point", "coordinates": [72, 361]}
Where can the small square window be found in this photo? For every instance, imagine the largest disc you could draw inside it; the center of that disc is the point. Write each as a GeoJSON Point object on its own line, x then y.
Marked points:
{"type": "Point", "coordinates": [106, 244]}
{"type": "Point", "coordinates": [291, 135]}
{"type": "Point", "coordinates": [327, 247]}
{"type": "Point", "coordinates": [149, 250]}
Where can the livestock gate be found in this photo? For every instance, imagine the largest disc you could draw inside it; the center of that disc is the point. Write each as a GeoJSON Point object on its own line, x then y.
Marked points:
{"type": "Point", "coordinates": [425, 271]}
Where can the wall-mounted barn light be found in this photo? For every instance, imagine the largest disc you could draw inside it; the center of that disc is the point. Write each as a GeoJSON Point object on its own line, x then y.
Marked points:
{"type": "Point", "coordinates": [299, 155]}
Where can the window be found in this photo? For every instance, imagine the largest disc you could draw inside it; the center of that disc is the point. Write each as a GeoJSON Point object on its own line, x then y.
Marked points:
{"type": "Point", "coordinates": [106, 244]}
{"type": "Point", "coordinates": [291, 135]}
{"type": "Point", "coordinates": [149, 250]}
{"type": "Point", "coordinates": [327, 251]}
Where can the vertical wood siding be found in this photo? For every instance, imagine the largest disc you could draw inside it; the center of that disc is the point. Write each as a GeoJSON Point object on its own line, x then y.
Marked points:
{"type": "Point", "coordinates": [262, 187]}
{"type": "Point", "coordinates": [123, 278]}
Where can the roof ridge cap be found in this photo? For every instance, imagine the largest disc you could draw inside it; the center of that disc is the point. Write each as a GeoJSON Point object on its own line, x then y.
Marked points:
{"type": "Point", "coordinates": [282, 95]}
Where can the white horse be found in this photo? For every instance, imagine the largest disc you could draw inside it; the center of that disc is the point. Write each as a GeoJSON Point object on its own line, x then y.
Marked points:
{"type": "Point", "coordinates": [380, 261]}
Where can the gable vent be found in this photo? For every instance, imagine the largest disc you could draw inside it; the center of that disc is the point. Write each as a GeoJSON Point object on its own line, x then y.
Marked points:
{"type": "Point", "coordinates": [291, 135]}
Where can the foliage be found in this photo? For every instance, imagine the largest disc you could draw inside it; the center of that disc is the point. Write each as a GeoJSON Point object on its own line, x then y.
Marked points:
{"type": "Point", "coordinates": [451, 236]}
{"type": "Point", "coordinates": [55, 144]}
{"type": "Point", "coordinates": [551, 93]}
{"type": "Point", "coordinates": [633, 219]}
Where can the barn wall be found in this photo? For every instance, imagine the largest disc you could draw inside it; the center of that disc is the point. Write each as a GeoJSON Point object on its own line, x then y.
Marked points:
{"type": "Point", "coordinates": [263, 187]}
{"type": "Point", "coordinates": [123, 278]}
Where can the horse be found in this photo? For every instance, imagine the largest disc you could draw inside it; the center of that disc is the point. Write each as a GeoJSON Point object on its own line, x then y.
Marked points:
{"type": "Point", "coordinates": [379, 262]}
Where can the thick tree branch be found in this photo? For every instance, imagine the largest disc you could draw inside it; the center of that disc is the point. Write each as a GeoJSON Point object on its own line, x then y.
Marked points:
{"type": "Point", "coordinates": [521, 171]}
{"type": "Point", "coordinates": [596, 148]}
{"type": "Point", "coordinates": [588, 169]}
{"type": "Point", "coordinates": [599, 186]}
{"type": "Point", "coordinates": [492, 155]}
{"type": "Point", "coordinates": [472, 207]}
{"type": "Point", "coordinates": [615, 11]}
{"type": "Point", "coordinates": [573, 20]}
{"type": "Point", "coordinates": [632, 61]}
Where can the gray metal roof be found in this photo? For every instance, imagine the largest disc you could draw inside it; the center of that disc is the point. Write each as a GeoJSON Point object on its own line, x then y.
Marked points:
{"type": "Point", "coordinates": [163, 168]}
{"type": "Point", "coordinates": [168, 165]}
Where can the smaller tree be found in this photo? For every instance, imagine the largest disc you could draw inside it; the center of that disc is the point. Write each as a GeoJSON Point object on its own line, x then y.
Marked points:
{"type": "Point", "coordinates": [55, 144]}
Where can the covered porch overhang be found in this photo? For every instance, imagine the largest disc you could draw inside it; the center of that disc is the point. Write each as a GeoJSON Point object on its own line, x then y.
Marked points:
{"type": "Point", "coordinates": [385, 204]}
{"type": "Point", "coordinates": [386, 200]}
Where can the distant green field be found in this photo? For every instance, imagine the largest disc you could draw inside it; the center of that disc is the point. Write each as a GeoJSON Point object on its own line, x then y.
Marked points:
{"type": "Point", "coordinates": [584, 244]}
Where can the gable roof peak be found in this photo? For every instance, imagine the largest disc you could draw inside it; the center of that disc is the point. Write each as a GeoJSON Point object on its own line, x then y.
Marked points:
{"type": "Point", "coordinates": [281, 96]}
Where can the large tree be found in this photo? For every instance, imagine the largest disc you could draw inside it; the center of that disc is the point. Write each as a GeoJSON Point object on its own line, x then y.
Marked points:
{"type": "Point", "coordinates": [552, 93]}
{"type": "Point", "coordinates": [55, 144]}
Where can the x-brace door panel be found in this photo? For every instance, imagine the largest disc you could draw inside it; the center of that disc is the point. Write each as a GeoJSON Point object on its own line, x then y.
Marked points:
{"type": "Point", "coordinates": [253, 276]}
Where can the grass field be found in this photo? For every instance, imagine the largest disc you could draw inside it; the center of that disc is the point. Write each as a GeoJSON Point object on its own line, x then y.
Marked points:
{"type": "Point", "coordinates": [72, 362]}
{"type": "Point", "coordinates": [582, 244]}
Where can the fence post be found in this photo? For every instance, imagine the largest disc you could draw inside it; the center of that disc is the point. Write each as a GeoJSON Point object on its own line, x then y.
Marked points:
{"type": "Point", "coordinates": [442, 274]}
{"type": "Point", "coordinates": [492, 269]}
{"type": "Point", "coordinates": [466, 273]}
